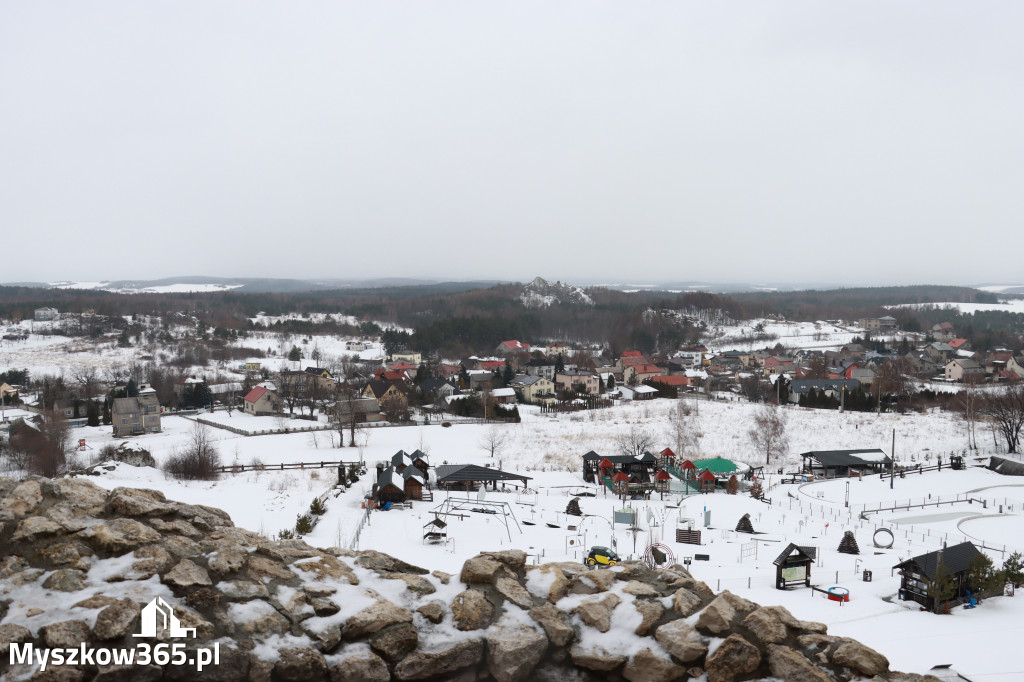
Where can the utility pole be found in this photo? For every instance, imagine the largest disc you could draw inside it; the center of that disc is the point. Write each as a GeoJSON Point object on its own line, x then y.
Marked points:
{"type": "Point", "coordinates": [892, 463]}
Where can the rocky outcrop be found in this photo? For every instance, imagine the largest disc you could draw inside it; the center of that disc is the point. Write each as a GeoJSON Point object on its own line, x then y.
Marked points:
{"type": "Point", "coordinates": [79, 564]}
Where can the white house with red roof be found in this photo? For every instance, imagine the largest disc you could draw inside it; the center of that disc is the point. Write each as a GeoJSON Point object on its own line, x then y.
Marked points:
{"type": "Point", "coordinates": [261, 402]}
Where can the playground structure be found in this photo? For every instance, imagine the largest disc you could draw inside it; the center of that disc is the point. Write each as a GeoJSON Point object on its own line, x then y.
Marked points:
{"type": "Point", "coordinates": [658, 555]}
{"type": "Point", "coordinates": [454, 506]}
{"type": "Point", "coordinates": [834, 593]}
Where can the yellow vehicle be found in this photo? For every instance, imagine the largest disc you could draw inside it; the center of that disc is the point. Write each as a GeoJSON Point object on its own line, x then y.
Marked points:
{"type": "Point", "coordinates": [601, 556]}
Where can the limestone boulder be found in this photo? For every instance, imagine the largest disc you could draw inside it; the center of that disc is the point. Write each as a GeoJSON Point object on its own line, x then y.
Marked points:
{"type": "Point", "coordinates": [513, 652]}
{"type": "Point", "coordinates": [117, 620]}
{"type": "Point", "coordinates": [300, 665]}
{"type": "Point", "coordinates": [421, 665]}
{"type": "Point", "coordinates": [733, 659]}
{"type": "Point", "coordinates": [681, 640]}
{"type": "Point", "coordinates": [718, 616]}
{"type": "Point", "coordinates": [366, 668]}
{"type": "Point", "coordinates": [790, 665]}
{"type": "Point", "coordinates": [647, 666]}
{"type": "Point", "coordinates": [471, 610]}
{"type": "Point", "coordinates": [863, 659]}
{"type": "Point", "coordinates": [555, 623]}
{"type": "Point", "coordinates": [374, 618]}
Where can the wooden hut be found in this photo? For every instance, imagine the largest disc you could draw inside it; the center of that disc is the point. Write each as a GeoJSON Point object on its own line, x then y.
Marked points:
{"type": "Point", "coordinates": [390, 486]}
{"type": "Point", "coordinates": [918, 573]}
{"type": "Point", "coordinates": [421, 462]}
{"type": "Point", "coordinates": [793, 566]}
{"type": "Point", "coordinates": [413, 483]}
{"type": "Point", "coordinates": [707, 481]}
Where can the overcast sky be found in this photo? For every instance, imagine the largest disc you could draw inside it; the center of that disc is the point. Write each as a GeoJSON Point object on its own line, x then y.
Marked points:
{"type": "Point", "coordinates": [853, 142]}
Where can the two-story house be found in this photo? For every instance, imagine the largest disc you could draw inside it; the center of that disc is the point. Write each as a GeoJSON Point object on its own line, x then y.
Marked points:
{"type": "Point", "coordinates": [134, 416]}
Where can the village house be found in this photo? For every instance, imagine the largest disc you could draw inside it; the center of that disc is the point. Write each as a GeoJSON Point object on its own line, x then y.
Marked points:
{"type": "Point", "coordinates": [512, 346]}
{"type": "Point", "coordinates": [943, 331]}
{"type": "Point", "coordinates": [540, 367]}
{"type": "Point", "coordinates": [878, 324]}
{"type": "Point", "coordinates": [1016, 365]}
{"type": "Point", "coordinates": [355, 346]}
{"type": "Point", "coordinates": [45, 314]}
{"type": "Point", "coordinates": [384, 391]}
{"type": "Point", "coordinates": [939, 352]}
{"type": "Point", "coordinates": [134, 416]}
{"type": "Point", "coordinates": [261, 402]}
{"type": "Point", "coordinates": [578, 380]}
{"type": "Point", "coordinates": [412, 357]}
{"type": "Point", "coordinates": [365, 410]}
{"type": "Point", "coordinates": [963, 368]}
{"type": "Point", "coordinates": [436, 388]}
{"type": "Point", "coordinates": [534, 389]}
{"type": "Point", "coordinates": [833, 388]}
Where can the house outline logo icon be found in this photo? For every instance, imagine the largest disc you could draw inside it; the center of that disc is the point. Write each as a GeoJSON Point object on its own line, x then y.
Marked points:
{"type": "Point", "coordinates": [159, 614]}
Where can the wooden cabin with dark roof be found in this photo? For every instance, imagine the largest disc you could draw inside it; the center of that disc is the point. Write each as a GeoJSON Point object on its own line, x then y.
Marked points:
{"type": "Point", "coordinates": [919, 573]}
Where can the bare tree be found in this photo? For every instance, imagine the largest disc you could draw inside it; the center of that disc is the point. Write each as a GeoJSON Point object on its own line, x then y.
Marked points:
{"type": "Point", "coordinates": [768, 434]}
{"type": "Point", "coordinates": [635, 442]}
{"type": "Point", "coordinates": [894, 378]}
{"type": "Point", "coordinates": [816, 367]}
{"type": "Point", "coordinates": [346, 409]}
{"type": "Point", "coordinates": [684, 429]}
{"type": "Point", "coordinates": [494, 440]}
{"type": "Point", "coordinates": [200, 458]}
{"type": "Point", "coordinates": [1006, 410]}
{"type": "Point", "coordinates": [89, 380]}
{"type": "Point", "coordinates": [967, 403]}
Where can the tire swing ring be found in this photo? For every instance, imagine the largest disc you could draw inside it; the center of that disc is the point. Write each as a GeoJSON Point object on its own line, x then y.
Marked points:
{"type": "Point", "coordinates": [883, 532]}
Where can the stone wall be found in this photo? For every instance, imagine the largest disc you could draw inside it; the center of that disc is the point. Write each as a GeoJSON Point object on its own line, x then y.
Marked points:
{"type": "Point", "coordinates": [78, 563]}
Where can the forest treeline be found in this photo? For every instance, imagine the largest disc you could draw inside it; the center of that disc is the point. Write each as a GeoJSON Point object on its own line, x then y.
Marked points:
{"type": "Point", "coordinates": [452, 319]}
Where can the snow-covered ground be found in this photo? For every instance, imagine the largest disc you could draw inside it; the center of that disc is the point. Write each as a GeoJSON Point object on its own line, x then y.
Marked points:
{"type": "Point", "coordinates": [978, 642]}
{"type": "Point", "coordinates": [821, 335]}
{"type": "Point", "coordinates": [1010, 305]}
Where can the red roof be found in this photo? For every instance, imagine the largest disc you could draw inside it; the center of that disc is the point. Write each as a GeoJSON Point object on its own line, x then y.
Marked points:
{"type": "Point", "coordinates": [491, 364]}
{"type": "Point", "coordinates": [605, 463]}
{"type": "Point", "coordinates": [646, 369]}
{"type": "Point", "coordinates": [401, 367]}
{"type": "Point", "coordinates": [706, 476]}
{"type": "Point", "coordinates": [667, 452]}
{"type": "Point", "coordinates": [956, 343]}
{"type": "Point", "coordinates": [255, 394]}
{"type": "Point", "coordinates": [632, 354]}
{"type": "Point", "coordinates": [633, 360]}
{"type": "Point", "coordinates": [687, 465]}
{"type": "Point", "coordinates": [662, 475]}
{"type": "Point", "coordinates": [514, 345]}
{"type": "Point", "coordinates": [619, 477]}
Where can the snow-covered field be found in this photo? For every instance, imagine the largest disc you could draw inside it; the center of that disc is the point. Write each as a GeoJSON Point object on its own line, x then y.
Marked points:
{"type": "Point", "coordinates": [1010, 305]}
{"type": "Point", "coordinates": [548, 450]}
{"type": "Point", "coordinates": [819, 335]}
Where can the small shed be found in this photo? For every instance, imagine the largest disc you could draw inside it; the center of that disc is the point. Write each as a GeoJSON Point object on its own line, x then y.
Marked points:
{"type": "Point", "coordinates": [793, 566]}
{"type": "Point", "coordinates": [413, 483]}
{"type": "Point", "coordinates": [689, 469]}
{"type": "Point", "coordinates": [390, 486]}
{"type": "Point", "coordinates": [707, 481]}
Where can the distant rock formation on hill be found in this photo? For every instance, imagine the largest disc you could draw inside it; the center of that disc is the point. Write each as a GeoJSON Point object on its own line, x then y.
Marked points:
{"type": "Point", "coordinates": [82, 567]}
{"type": "Point", "coordinates": [541, 293]}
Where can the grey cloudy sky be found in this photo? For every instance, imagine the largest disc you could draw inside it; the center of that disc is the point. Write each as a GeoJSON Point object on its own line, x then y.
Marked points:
{"type": "Point", "coordinates": [856, 142]}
